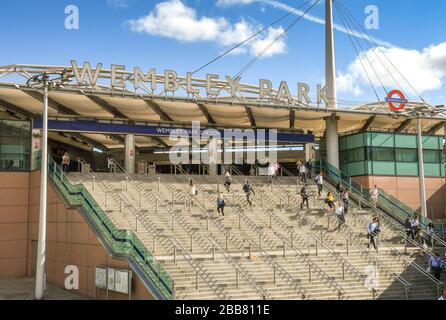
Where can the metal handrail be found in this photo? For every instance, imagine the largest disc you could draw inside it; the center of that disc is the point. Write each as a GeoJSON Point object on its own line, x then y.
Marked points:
{"type": "Point", "coordinates": [351, 269]}
{"type": "Point", "coordinates": [252, 282]}
{"type": "Point", "coordinates": [200, 270]}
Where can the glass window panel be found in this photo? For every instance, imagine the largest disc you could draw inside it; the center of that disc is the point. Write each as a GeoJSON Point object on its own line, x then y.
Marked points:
{"type": "Point", "coordinates": [382, 154]}
{"type": "Point", "coordinates": [15, 138]}
{"type": "Point", "coordinates": [431, 156]}
{"type": "Point", "coordinates": [406, 155]}
{"type": "Point", "coordinates": [13, 128]}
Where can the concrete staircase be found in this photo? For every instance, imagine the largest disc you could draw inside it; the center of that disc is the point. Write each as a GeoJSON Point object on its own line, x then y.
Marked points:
{"type": "Point", "coordinates": [273, 250]}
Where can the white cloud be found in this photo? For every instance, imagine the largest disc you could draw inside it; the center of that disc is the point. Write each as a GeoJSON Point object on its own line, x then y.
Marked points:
{"type": "Point", "coordinates": [425, 70]}
{"type": "Point", "coordinates": [226, 3]}
{"type": "Point", "coordinates": [118, 3]}
{"type": "Point", "coordinates": [173, 19]}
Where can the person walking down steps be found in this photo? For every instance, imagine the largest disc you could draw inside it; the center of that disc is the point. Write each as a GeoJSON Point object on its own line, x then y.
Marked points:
{"type": "Point", "coordinates": [249, 191]}
{"type": "Point", "coordinates": [304, 195]}
{"type": "Point", "coordinates": [192, 191]}
{"type": "Point", "coordinates": [228, 181]}
{"type": "Point", "coordinates": [221, 204]}
{"type": "Point", "coordinates": [66, 163]}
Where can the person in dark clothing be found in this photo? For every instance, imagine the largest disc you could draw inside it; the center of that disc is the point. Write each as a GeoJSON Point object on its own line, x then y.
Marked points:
{"type": "Point", "coordinates": [408, 227]}
{"type": "Point", "coordinates": [221, 204]}
{"type": "Point", "coordinates": [304, 195]}
{"type": "Point", "coordinates": [436, 264]}
{"type": "Point", "coordinates": [430, 232]}
{"type": "Point", "coordinates": [373, 232]}
{"type": "Point", "coordinates": [309, 167]}
{"type": "Point", "coordinates": [249, 191]}
{"type": "Point", "coordinates": [339, 187]}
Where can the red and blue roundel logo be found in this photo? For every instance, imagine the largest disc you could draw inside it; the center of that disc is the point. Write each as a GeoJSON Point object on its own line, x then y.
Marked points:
{"type": "Point", "coordinates": [400, 99]}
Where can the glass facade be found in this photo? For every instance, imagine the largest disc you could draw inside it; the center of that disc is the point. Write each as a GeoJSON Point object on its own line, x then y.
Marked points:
{"type": "Point", "coordinates": [15, 145]}
{"type": "Point", "coordinates": [375, 153]}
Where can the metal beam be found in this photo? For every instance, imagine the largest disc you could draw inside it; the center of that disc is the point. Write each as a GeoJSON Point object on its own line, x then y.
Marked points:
{"type": "Point", "coordinates": [367, 124]}
{"type": "Point", "coordinates": [160, 141]}
{"type": "Point", "coordinates": [51, 103]}
{"type": "Point", "coordinates": [435, 128]}
{"type": "Point", "coordinates": [107, 106]}
{"type": "Point", "coordinates": [250, 116]}
{"type": "Point", "coordinates": [157, 109]}
{"type": "Point", "coordinates": [403, 125]}
{"type": "Point", "coordinates": [88, 140]}
{"type": "Point", "coordinates": [13, 108]}
{"type": "Point", "coordinates": [292, 118]}
{"type": "Point", "coordinates": [206, 113]}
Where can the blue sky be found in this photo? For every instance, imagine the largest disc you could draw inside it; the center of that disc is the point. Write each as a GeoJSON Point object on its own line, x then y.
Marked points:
{"type": "Point", "coordinates": [35, 34]}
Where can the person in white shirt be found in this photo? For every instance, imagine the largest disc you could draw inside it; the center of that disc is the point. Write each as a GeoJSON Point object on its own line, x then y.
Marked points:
{"type": "Point", "coordinates": [110, 165]}
{"type": "Point", "coordinates": [443, 296]}
{"type": "Point", "coordinates": [228, 180]}
{"type": "Point", "coordinates": [339, 210]}
{"type": "Point", "coordinates": [192, 191]}
{"type": "Point", "coordinates": [303, 173]}
{"type": "Point", "coordinates": [375, 195]}
{"type": "Point", "coordinates": [271, 172]}
{"type": "Point", "coordinates": [319, 181]}
{"type": "Point", "coordinates": [66, 163]}
{"type": "Point", "coordinates": [415, 227]}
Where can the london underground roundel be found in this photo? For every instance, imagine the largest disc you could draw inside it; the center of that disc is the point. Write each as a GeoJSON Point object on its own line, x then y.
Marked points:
{"type": "Point", "coordinates": [394, 101]}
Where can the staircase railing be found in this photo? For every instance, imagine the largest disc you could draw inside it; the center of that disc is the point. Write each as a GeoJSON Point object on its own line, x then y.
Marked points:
{"type": "Point", "coordinates": [121, 242]}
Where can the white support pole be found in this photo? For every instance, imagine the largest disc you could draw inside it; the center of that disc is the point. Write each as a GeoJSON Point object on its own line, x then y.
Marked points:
{"type": "Point", "coordinates": [130, 153]}
{"type": "Point", "coordinates": [41, 244]}
{"type": "Point", "coordinates": [330, 80]}
{"type": "Point", "coordinates": [421, 169]}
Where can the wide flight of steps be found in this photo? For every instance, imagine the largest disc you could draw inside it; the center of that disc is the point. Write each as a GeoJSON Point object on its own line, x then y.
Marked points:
{"type": "Point", "coordinates": [193, 226]}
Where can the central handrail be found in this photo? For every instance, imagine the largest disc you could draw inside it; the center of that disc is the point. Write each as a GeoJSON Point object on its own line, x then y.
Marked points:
{"type": "Point", "coordinates": [252, 282]}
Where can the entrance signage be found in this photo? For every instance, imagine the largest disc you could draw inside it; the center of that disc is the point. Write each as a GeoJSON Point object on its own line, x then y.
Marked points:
{"type": "Point", "coordinates": [169, 82]}
{"type": "Point", "coordinates": [401, 100]}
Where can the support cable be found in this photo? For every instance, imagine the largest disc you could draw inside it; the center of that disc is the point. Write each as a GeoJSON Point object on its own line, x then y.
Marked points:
{"type": "Point", "coordinates": [250, 63]}
{"type": "Point", "coordinates": [375, 45]}
{"type": "Point", "coordinates": [359, 56]}
{"type": "Point", "coordinates": [249, 38]}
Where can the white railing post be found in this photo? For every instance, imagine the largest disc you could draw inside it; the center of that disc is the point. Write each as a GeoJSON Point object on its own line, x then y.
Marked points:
{"type": "Point", "coordinates": [94, 183]}
{"type": "Point", "coordinates": [159, 184]}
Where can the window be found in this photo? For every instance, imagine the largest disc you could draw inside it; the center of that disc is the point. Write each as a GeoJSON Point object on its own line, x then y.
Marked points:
{"type": "Point", "coordinates": [353, 155]}
{"type": "Point", "coordinates": [15, 140]}
{"type": "Point", "coordinates": [406, 155]}
{"type": "Point", "coordinates": [381, 154]}
{"type": "Point", "coordinates": [431, 156]}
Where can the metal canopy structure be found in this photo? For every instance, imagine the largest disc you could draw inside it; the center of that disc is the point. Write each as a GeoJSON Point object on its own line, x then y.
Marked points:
{"type": "Point", "coordinates": [111, 104]}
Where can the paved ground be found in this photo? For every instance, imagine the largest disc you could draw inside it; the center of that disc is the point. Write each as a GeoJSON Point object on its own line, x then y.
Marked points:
{"type": "Point", "coordinates": [23, 289]}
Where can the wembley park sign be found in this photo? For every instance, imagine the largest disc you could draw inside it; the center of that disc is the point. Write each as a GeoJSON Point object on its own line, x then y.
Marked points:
{"type": "Point", "coordinates": [170, 83]}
